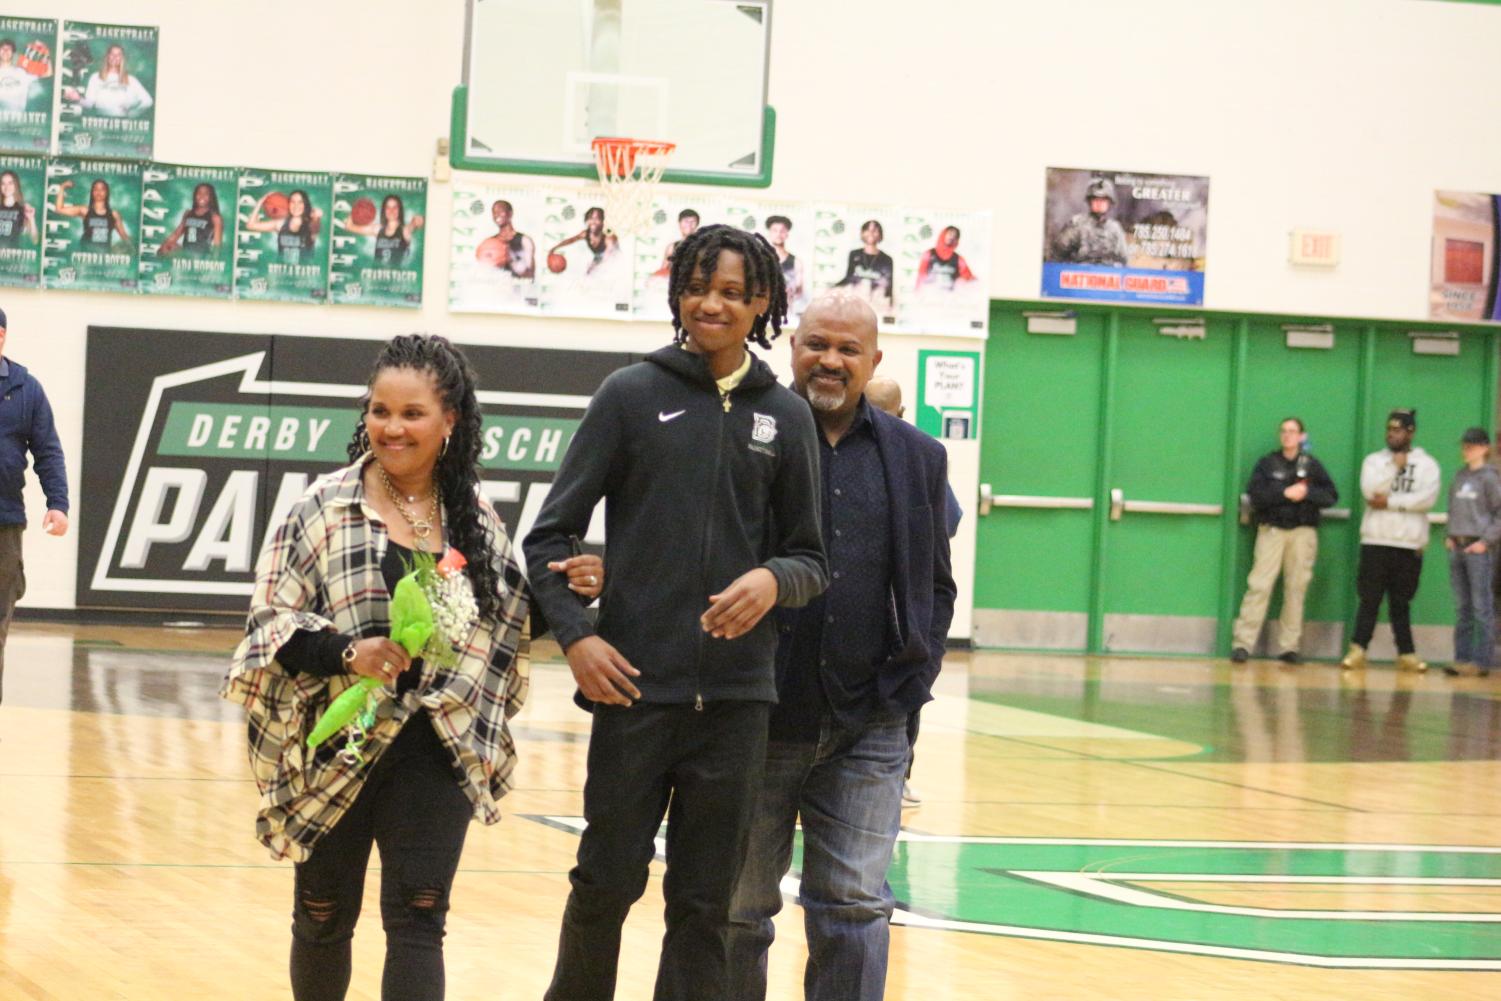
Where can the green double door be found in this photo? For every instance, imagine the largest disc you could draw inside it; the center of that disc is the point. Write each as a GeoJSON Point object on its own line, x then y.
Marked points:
{"type": "Point", "coordinates": [1117, 447]}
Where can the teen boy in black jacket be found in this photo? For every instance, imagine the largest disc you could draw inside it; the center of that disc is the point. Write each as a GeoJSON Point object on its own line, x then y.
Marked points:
{"type": "Point", "coordinates": [709, 472]}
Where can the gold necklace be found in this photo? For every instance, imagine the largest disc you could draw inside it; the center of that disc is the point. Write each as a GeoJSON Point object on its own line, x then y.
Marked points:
{"type": "Point", "coordinates": [421, 527]}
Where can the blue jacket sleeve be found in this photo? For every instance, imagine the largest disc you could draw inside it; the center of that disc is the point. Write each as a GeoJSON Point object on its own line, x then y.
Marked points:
{"type": "Point", "coordinates": [944, 589]}
{"type": "Point", "coordinates": [47, 451]}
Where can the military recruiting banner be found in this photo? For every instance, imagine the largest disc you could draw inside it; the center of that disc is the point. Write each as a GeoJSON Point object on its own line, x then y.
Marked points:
{"type": "Point", "coordinates": [93, 212]}
{"type": "Point", "coordinates": [1465, 274]}
{"type": "Point", "coordinates": [23, 183]}
{"type": "Point", "coordinates": [377, 240]}
{"type": "Point", "coordinates": [281, 243]}
{"type": "Point", "coordinates": [108, 79]}
{"type": "Point", "coordinates": [27, 74]}
{"type": "Point", "coordinates": [187, 230]}
{"type": "Point", "coordinates": [196, 445]}
{"type": "Point", "coordinates": [492, 261]}
{"type": "Point", "coordinates": [1125, 236]}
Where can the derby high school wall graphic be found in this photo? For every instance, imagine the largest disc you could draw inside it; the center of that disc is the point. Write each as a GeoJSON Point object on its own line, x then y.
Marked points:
{"type": "Point", "coordinates": [196, 443]}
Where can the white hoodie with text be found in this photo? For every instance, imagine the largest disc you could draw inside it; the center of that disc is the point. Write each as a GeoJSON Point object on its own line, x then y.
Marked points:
{"type": "Point", "coordinates": [1410, 495]}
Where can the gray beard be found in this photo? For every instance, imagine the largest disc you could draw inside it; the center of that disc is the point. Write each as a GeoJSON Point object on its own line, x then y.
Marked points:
{"type": "Point", "coordinates": [826, 401]}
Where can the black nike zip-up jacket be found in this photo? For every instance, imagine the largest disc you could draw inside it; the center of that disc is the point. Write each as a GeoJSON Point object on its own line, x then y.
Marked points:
{"type": "Point", "coordinates": [695, 496]}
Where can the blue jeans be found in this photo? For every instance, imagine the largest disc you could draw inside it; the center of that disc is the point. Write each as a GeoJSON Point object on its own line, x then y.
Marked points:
{"type": "Point", "coordinates": [848, 789]}
{"type": "Point", "coordinates": [1474, 608]}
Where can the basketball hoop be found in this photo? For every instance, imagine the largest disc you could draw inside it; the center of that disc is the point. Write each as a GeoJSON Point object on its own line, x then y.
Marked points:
{"type": "Point", "coordinates": [629, 170]}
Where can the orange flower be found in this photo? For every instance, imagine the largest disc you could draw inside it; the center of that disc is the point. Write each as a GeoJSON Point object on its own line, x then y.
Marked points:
{"type": "Point", "coordinates": [453, 562]}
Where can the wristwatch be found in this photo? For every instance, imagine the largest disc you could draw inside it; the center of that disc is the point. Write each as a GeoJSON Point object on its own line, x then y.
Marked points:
{"type": "Point", "coordinates": [347, 656]}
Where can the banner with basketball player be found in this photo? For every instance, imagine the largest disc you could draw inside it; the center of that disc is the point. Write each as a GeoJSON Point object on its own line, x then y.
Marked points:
{"type": "Point", "coordinates": [1124, 236]}
{"type": "Point", "coordinates": [588, 266]}
{"type": "Point", "coordinates": [93, 213]}
{"type": "Point", "coordinates": [1465, 273]}
{"type": "Point", "coordinates": [27, 75]}
{"type": "Point", "coordinates": [941, 271]}
{"type": "Point", "coordinates": [673, 220]}
{"type": "Point", "coordinates": [281, 236]}
{"type": "Point", "coordinates": [187, 230]}
{"type": "Point", "coordinates": [23, 183]}
{"type": "Point", "coordinates": [377, 240]}
{"type": "Point", "coordinates": [108, 81]}
{"type": "Point", "coordinates": [492, 264]}
{"type": "Point", "coordinates": [852, 251]}
{"type": "Point", "coordinates": [788, 227]}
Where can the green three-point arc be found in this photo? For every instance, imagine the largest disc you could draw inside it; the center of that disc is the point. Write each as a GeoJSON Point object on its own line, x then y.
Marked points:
{"type": "Point", "coordinates": [1110, 892]}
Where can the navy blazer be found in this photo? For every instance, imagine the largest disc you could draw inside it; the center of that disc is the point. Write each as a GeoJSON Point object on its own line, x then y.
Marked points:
{"type": "Point", "coordinates": [922, 580]}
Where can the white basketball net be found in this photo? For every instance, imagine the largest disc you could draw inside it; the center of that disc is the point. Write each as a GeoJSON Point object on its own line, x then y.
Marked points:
{"type": "Point", "coordinates": [629, 171]}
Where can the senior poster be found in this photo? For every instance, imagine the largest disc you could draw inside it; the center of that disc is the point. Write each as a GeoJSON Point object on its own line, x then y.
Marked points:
{"type": "Point", "coordinates": [377, 237]}
{"type": "Point", "coordinates": [93, 213]}
{"type": "Point", "coordinates": [187, 230]}
{"type": "Point", "coordinates": [673, 220]}
{"type": "Point", "coordinates": [281, 238]}
{"type": "Point", "coordinates": [584, 265]}
{"type": "Point", "coordinates": [788, 227]}
{"type": "Point", "coordinates": [1465, 282]}
{"type": "Point", "coordinates": [108, 78]}
{"type": "Point", "coordinates": [23, 184]}
{"type": "Point", "coordinates": [494, 233]}
{"type": "Point", "coordinates": [27, 75]}
{"type": "Point", "coordinates": [1124, 236]}
{"type": "Point", "coordinates": [851, 250]}
{"type": "Point", "coordinates": [942, 271]}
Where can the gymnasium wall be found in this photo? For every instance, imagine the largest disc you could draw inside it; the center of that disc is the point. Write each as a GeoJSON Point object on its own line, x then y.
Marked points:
{"type": "Point", "coordinates": [1339, 114]}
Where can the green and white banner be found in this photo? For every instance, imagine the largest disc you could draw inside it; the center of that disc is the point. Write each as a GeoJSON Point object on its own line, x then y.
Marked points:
{"type": "Point", "coordinates": [93, 211]}
{"type": "Point", "coordinates": [27, 76]}
{"type": "Point", "coordinates": [23, 184]}
{"type": "Point", "coordinates": [281, 238]}
{"type": "Point", "coordinates": [108, 77]}
{"type": "Point", "coordinates": [378, 240]}
{"type": "Point", "coordinates": [187, 230]}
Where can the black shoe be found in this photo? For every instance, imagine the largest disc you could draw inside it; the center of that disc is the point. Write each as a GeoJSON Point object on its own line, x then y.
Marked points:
{"type": "Point", "coordinates": [1240, 655]}
{"type": "Point", "coordinates": [1290, 657]}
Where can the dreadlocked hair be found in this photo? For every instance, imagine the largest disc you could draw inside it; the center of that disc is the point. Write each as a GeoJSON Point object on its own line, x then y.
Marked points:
{"type": "Point", "coordinates": [457, 481]}
{"type": "Point", "coordinates": [698, 257]}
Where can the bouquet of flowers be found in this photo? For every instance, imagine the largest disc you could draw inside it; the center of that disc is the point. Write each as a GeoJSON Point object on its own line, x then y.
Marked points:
{"type": "Point", "coordinates": [432, 610]}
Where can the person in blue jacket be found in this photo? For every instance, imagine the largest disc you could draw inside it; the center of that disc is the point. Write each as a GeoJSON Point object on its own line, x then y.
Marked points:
{"type": "Point", "coordinates": [25, 425]}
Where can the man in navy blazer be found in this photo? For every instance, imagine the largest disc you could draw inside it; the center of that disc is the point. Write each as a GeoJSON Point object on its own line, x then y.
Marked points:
{"type": "Point", "coordinates": [852, 667]}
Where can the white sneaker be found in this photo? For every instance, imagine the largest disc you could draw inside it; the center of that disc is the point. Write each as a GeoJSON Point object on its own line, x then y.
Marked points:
{"type": "Point", "coordinates": [910, 796]}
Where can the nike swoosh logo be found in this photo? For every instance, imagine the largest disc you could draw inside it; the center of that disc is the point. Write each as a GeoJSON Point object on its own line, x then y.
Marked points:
{"type": "Point", "coordinates": [665, 417]}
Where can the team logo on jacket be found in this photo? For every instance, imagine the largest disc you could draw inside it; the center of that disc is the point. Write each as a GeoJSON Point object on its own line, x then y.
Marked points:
{"type": "Point", "coordinates": [764, 429]}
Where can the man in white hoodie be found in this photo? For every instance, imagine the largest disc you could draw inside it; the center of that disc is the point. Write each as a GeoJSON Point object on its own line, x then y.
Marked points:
{"type": "Point", "coordinates": [1400, 484]}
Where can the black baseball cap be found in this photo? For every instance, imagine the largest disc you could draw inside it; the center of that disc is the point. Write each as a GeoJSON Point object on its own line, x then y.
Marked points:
{"type": "Point", "coordinates": [1475, 436]}
{"type": "Point", "coordinates": [1406, 418]}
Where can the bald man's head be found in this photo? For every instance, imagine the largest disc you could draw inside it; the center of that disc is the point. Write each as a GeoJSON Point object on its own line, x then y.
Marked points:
{"type": "Point", "coordinates": [834, 352]}
{"type": "Point", "coordinates": [885, 394]}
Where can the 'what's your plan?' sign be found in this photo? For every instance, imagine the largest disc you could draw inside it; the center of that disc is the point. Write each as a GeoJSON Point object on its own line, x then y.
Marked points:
{"type": "Point", "coordinates": [196, 445]}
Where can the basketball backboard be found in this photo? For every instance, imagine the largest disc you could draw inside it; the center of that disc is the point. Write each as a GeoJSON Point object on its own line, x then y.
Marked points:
{"type": "Point", "coordinates": [542, 79]}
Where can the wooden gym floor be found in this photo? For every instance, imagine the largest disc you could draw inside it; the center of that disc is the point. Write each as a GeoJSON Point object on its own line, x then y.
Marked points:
{"type": "Point", "coordinates": [1089, 828]}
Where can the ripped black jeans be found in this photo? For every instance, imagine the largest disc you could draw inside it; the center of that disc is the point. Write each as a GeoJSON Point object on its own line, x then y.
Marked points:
{"type": "Point", "coordinates": [413, 809]}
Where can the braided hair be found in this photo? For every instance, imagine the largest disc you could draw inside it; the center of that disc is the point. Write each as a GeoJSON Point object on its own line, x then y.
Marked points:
{"type": "Point", "coordinates": [698, 257]}
{"type": "Point", "coordinates": [455, 473]}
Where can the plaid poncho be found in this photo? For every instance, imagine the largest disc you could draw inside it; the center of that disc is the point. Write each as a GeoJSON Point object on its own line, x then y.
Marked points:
{"type": "Point", "coordinates": [321, 570]}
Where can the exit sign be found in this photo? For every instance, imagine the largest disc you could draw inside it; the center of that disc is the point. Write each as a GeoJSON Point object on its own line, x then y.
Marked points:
{"type": "Point", "coordinates": [1314, 247]}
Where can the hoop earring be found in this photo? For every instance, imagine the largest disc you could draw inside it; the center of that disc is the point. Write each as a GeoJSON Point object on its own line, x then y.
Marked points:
{"type": "Point", "coordinates": [444, 450]}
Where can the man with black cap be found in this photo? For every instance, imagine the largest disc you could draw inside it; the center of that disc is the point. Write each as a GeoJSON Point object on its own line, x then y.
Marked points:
{"type": "Point", "coordinates": [25, 423]}
{"type": "Point", "coordinates": [1400, 484]}
{"type": "Point", "coordinates": [1474, 533]}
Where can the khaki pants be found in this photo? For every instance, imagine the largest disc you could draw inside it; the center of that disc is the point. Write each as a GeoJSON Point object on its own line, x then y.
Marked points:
{"type": "Point", "coordinates": [1290, 552]}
